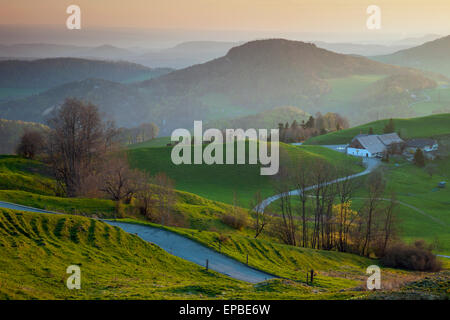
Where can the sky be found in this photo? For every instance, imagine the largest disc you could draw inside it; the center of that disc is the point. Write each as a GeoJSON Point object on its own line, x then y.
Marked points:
{"type": "Point", "coordinates": [226, 19]}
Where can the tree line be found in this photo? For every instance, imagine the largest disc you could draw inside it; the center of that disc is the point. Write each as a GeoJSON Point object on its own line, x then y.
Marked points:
{"type": "Point", "coordinates": [87, 160]}
{"type": "Point", "coordinates": [314, 126]}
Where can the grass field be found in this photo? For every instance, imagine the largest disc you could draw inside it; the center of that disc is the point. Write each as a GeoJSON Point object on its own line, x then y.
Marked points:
{"type": "Point", "coordinates": [219, 182]}
{"type": "Point", "coordinates": [25, 175]}
{"type": "Point", "coordinates": [439, 99]}
{"type": "Point", "coordinates": [430, 126]}
{"type": "Point", "coordinates": [415, 187]}
{"type": "Point", "coordinates": [118, 265]}
{"type": "Point", "coordinates": [115, 265]}
{"type": "Point", "coordinates": [344, 90]}
{"type": "Point", "coordinates": [154, 143]}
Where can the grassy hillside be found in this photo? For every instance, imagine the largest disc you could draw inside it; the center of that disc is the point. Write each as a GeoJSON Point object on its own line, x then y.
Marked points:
{"type": "Point", "coordinates": [265, 120]}
{"type": "Point", "coordinates": [415, 187]}
{"type": "Point", "coordinates": [37, 249]}
{"type": "Point", "coordinates": [219, 182]}
{"type": "Point", "coordinates": [283, 260]}
{"type": "Point", "coordinates": [430, 126]}
{"type": "Point", "coordinates": [25, 175]}
{"type": "Point", "coordinates": [154, 143]}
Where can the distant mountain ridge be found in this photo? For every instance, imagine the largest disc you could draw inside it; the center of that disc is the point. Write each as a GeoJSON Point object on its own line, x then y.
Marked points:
{"type": "Point", "coordinates": [432, 56]}
{"type": "Point", "coordinates": [251, 78]}
{"type": "Point", "coordinates": [47, 73]}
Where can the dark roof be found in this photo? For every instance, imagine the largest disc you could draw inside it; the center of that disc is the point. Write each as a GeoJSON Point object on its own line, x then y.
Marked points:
{"type": "Point", "coordinates": [375, 143]}
{"type": "Point", "coordinates": [420, 143]}
{"type": "Point", "coordinates": [390, 138]}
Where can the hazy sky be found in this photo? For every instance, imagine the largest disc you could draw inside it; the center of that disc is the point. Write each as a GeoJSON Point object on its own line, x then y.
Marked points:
{"type": "Point", "coordinates": [405, 17]}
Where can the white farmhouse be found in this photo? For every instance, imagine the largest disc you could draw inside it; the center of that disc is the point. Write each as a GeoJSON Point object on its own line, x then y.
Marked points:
{"type": "Point", "coordinates": [370, 146]}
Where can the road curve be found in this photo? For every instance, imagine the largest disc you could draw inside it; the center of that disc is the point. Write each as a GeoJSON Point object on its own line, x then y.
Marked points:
{"type": "Point", "coordinates": [370, 163]}
{"type": "Point", "coordinates": [179, 246]}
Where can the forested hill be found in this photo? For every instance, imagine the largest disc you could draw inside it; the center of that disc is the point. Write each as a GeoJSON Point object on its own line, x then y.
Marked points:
{"type": "Point", "coordinates": [47, 73]}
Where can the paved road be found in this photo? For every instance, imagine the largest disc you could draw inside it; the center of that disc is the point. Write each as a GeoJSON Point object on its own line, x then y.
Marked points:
{"type": "Point", "coordinates": [192, 251]}
{"type": "Point", "coordinates": [178, 246]}
{"type": "Point", "coordinates": [370, 163]}
{"type": "Point", "coordinates": [336, 147]}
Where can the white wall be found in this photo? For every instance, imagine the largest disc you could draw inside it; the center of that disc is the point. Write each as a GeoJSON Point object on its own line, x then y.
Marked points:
{"type": "Point", "coordinates": [359, 152]}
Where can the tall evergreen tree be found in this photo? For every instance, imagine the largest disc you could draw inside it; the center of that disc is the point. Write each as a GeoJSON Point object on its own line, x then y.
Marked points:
{"type": "Point", "coordinates": [419, 158]}
{"type": "Point", "coordinates": [390, 127]}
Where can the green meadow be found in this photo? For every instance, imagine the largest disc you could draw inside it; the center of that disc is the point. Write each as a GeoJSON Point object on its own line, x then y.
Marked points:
{"type": "Point", "coordinates": [220, 182]}
{"type": "Point", "coordinates": [422, 127]}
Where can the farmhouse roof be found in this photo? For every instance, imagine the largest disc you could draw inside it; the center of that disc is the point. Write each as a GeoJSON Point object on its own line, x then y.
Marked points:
{"type": "Point", "coordinates": [372, 144]}
{"type": "Point", "coordinates": [390, 138]}
{"type": "Point", "coordinates": [420, 143]}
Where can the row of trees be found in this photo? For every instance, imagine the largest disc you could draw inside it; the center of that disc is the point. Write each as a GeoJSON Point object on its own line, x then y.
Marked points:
{"type": "Point", "coordinates": [316, 125]}
{"type": "Point", "coordinates": [87, 161]}
{"type": "Point", "coordinates": [141, 133]}
{"type": "Point", "coordinates": [324, 217]}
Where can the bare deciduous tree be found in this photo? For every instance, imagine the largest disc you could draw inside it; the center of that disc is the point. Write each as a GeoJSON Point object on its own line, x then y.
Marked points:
{"type": "Point", "coordinates": [376, 186]}
{"type": "Point", "coordinates": [118, 181]}
{"type": "Point", "coordinates": [77, 142]}
{"type": "Point", "coordinates": [165, 196]}
{"type": "Point", "coordinates": [31, 143]}
{"type": "Point", "coordinates": [262, 216]}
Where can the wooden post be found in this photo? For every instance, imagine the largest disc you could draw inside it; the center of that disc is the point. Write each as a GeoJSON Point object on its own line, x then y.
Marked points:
{"type": "Point", "coordinates": [207, 264]}
{"type": "Point", "coordinates": [312, 276]}
{"type": "Point", "coordinates": [247, 259]}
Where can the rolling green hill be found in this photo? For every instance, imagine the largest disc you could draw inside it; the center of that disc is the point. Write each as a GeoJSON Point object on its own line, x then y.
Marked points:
{"type": "Point", "coordinates": [37, 249]}
{"type": "Point", "coordinates": [429, 126]}
{"type": "Point", "coordinates": [219, 182]}
{"type": "Point", "coordinates": [264, 120]}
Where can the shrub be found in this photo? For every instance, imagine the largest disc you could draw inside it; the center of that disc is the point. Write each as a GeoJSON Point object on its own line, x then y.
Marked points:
{"type": "Point", "coordinates": [236, 220]}
{"type": "Point", "coordinates": [416, 257]}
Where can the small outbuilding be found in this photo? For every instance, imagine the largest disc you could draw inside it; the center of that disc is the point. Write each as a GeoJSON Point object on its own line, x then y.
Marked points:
{"type": "Point", "coordinates": [426, 145]}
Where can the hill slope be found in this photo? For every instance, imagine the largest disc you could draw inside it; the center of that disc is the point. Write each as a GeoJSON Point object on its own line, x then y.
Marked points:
{"type": "Point", "coordinates": [264, 120]}
{"type": "Point", "coordinates": [430, 126]}
{"type": "Point", "coordinates": [432, 56]}
{"type": "Point", "coordinates": [219, 182]}
{"type": "Point", "coordinates": [46, 73]}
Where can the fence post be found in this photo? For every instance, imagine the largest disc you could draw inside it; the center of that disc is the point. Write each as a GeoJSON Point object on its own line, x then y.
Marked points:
{"type": "Point", "coordinates": [312, 276]}
{"type": "Point", "coordinates": [207, 264]}
{"type": "Point", "coordinates": [247, 258]}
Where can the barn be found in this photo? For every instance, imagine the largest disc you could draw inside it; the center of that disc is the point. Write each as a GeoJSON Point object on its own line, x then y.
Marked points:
{"type": "Point", "coordinates": [370, 146]}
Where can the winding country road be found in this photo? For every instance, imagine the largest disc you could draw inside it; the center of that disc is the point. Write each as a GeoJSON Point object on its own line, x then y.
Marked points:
{"type": "Point", "coordinates": [370, 163]}
{"type": "Point", "coordinates": [179, 246]}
